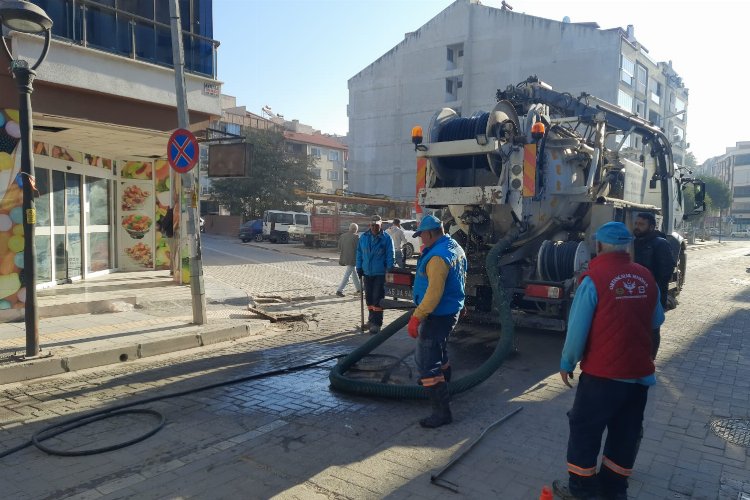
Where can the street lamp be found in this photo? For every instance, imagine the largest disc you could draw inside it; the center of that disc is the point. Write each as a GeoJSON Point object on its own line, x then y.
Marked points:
{"type": "Point", "coordinates": [26, 17]}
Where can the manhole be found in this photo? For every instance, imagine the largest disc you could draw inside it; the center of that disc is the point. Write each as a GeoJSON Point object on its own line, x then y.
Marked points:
{"type": "Point", "coordinates": [734, 430]}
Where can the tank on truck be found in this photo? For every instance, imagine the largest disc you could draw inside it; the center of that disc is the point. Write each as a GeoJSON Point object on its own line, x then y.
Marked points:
{"type": "Point", "coordinates": [537, 175]}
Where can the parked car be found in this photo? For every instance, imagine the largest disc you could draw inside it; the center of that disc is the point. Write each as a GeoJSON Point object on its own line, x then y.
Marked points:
{"type": "Point", "coordinates": [741, 233]}
{"type": "Point", "coordinates": [413, 245]}
{"type": "Point", "coordinates": [251, 230]}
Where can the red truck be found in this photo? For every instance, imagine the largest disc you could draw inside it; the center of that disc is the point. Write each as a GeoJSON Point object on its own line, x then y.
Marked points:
{"type": "Point", "coordinates": [325, 229]}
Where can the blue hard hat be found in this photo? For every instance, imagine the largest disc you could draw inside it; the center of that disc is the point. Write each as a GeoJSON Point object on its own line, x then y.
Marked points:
{"type": "Point", "coordinates": [427, 223]}
{"type": "Point", "coordinates": [614, 233]}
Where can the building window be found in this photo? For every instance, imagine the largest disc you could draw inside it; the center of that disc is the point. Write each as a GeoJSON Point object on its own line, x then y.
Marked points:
{"type": "Point", "coordinates": [743, 159]}
{"type": "Point", "coordinates": [332, 175]}
{"type": "Point", "coordinates": [679, 105]}
{"type": "Point", "coordinates": [234, 128]}
{"type": "Point", "coordinates": [454, 54]}
{"type": "Point", "coordinates": [316, 173]}
{"type": "Point", "coordinates": [315, 152]}
{"type": "Point", "coordinates": [625, 100]}
{"type": "Point", "coordinates": [640, 108]}
{"type": "Point", "coordinates": [641, 78]}
{"type": "Point", "coordinates": [627, 69]}
{"type": "Point", "coordinates": [452, 86]}
{"type": "Point", "coordinates": [678, 134]}
{"type": "Point", "coordinates": [110, 25]}
{"type": "Point", "coordinates": [655, 91]}
{"type": "Point", "coordinates": [654, 118]}
{"type": "Point", "coordinates": [333, 155]}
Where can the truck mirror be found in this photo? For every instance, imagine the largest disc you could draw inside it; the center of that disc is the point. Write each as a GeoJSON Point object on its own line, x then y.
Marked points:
{"type": "Point", "coordinates": [699, 188]}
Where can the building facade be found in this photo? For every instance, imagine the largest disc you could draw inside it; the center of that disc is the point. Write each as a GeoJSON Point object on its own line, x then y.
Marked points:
{"type": "Point", "coordinates": [463, 55]}
{"type": "Point", "coordinates": [330, 156]}
{"type": "Point", "coordinates": [733, 168]}
{"type": "Point", "coordinates": [329, 152]}
{"type": "Point", "coordinates": [104, 106]}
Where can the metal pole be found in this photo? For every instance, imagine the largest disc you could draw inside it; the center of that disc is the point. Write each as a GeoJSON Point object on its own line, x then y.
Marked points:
{"type": "Point", "coordinates": [197, 290]}
{"type": "Point", "coordinates": [24, 78]}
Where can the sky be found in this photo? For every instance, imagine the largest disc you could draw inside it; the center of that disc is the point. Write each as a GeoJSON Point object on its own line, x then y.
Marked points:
{"type": "Point", "coordinates": [297, 56]}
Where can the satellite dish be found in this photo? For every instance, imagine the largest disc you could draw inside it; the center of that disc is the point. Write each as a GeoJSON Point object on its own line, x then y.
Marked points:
{"type": "Point", "coordinates": [566, 19]}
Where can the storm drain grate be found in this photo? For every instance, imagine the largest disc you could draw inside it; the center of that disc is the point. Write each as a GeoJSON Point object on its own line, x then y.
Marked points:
{"type": "Point", "coordinates": [734, 430]}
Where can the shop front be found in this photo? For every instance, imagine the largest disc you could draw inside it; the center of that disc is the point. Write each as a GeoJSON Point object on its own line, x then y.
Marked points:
{"type": "Point", "coordinates": [94, 214]}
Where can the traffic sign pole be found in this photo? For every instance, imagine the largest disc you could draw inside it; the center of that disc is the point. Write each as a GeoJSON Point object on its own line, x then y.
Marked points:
{"type": "Point", "coordinates": [189, 179]}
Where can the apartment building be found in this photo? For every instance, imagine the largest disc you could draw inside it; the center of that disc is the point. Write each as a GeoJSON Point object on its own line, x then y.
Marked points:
{"type": "Point", "coordinates": [462, 56]}
{"type": "Point", "coordinates": [104, 106]}
{"type": "Point", "coordinates": [733, 167]}
{"type": "Point", "coordinates": [329, 152]}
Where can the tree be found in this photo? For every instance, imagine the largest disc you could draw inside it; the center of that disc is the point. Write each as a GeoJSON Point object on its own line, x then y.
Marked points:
{"type": "Point", "coordinates": [690, 161]}
{"type": "Point", "coordinates": [718, 191]}
{"type": "Point", "coordinates": [275, 174]}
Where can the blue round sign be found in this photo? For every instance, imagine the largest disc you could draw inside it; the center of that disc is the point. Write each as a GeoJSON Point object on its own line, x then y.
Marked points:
{"type": "Point", "coordinates": [182, 150]}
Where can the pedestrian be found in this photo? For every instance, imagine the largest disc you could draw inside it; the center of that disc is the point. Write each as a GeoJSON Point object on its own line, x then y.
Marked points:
{"type": "Point", "coordinates": [653, 251]}
{"type": "Point", "coordinates": [374, 258]}
{"type": "Point", "coordinates": [615, 309]}
{"type": "Point", "coordinates": [348, 257]}
{"type": "Point", "coordinates": [439, 295]}
{"type": "Point", "coordinates": [165, 225]}
{"type": "Point", "coordinates": [398, 236]}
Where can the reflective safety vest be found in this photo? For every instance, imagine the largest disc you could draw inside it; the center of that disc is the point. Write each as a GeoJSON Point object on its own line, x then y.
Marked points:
{"type": "Point", "coordinates": [451, 252]}
{"type": "Point", "coordinates": [619, 341]}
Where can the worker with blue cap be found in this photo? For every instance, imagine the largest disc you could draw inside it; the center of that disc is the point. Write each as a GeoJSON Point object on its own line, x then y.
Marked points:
{"type": "Point", "coordinates": [439, 296]}
{"type": "Point", "coordinates": [615, 309]}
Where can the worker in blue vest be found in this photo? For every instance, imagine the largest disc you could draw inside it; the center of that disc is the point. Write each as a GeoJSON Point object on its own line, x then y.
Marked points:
{"type": "Point", "coordinates": [374, 258]}
{"type": "Point", "coordinates": [439, 296]}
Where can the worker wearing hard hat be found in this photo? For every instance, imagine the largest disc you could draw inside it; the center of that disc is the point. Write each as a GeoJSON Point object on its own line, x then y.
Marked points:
{"type": "Point", "coordinates": [439, 296]}
{"type": "Point", "coordinates": [615, 309]}
{"type": "Point", "coordinates": [374, 258]}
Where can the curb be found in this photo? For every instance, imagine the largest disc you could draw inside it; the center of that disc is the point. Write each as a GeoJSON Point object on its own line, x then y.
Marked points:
{"type": "Point", "coordinates": [53, 365]}
{"type": "Point", "coordinates": [67, 309]}
{"type": "Point", "coordinates": [291, 252]}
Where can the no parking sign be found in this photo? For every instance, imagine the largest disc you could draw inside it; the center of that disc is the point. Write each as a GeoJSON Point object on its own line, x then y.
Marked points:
{"type": "Point", "coordinates": [182, 150]}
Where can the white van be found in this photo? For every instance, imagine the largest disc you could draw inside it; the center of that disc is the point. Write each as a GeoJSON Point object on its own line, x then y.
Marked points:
{"type": "Point", "coordinates": [276, 224]}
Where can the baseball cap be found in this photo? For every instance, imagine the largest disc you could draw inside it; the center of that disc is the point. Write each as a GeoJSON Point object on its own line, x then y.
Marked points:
{"type": "Point", "coordinates": [613, 233]}
{"type": "Point", "coordinates": [375, 219]}
{"type": "Point", "coordinates": [428, 222]}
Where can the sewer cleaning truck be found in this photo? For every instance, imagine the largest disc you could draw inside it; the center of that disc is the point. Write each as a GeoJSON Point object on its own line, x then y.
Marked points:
{"type": "Point", "coordinates": [524, 187]}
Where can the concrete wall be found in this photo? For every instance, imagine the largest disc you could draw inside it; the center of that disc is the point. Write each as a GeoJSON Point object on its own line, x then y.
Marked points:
{"type": "Point", "coordinates": [71, 65]}
{"type": "Point", "coordinates": [228, 225]}
{"type": "Point", "coordinates": [406, 86]}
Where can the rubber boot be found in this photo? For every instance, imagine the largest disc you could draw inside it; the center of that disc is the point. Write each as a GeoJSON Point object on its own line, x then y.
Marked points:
{"type": "Point", "coordinates": [441, 410]}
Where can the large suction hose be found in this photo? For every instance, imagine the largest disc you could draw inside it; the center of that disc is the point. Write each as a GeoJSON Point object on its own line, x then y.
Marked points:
{"type": "Point", "coordinates": [500, 304]}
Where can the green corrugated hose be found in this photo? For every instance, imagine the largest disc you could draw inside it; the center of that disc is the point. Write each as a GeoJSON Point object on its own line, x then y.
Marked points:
{"type": "Point", "coordinates": [500, 304]}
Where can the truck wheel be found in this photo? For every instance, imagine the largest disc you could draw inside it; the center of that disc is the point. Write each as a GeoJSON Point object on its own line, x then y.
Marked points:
{"type": "Point", "coordinates": [408, 251]}
{"type": "Point", "coordinates": [682, 269]}
{"type": "Point", "coordinates": [284, 238]}
{"type": "Point", "coordinates": [259, 238]}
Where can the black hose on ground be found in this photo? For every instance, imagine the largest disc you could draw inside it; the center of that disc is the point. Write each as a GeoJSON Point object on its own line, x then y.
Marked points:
{"type": "Point", "coordinates": [119, 410]}
{"type": "Point", "coordinates": [500, 304]}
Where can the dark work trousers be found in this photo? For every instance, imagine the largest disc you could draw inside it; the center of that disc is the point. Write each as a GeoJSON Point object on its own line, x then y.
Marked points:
{"type": "Point", "coordinates": [617, 406]}
{"type": "Point", "coordinates": [432, 347]}
{"type": "Point", "coordinates": [374, 293]}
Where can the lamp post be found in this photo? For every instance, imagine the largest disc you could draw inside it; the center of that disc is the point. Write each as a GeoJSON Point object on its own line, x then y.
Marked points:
{"type": "Point", "coordinates": [26, 17]}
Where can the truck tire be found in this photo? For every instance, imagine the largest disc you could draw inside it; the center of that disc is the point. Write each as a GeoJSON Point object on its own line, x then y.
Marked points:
{"type": "Point", "coordinates": [682, 269]}
{"type": "Point", "coordinates": [408, 251]}
{"type": "Point", "coordinates": [284, 238]}
{"type": "Point", "coordinates": [259, 238]}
